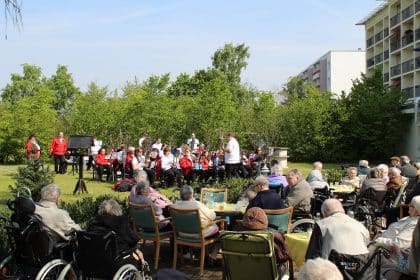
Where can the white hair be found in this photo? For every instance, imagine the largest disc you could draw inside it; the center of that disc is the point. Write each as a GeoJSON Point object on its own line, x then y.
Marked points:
{"type": "Point", "coordinates": [186, 192]}
{"type": "Point", "coordinates": [317, 165]}
{"type": "Point", "coordinates": [383, 167]}
{"type": "Point", "coordinates": [395, 171]}
{"type": "Point", "coordinates": [110, 207]}
{"type": "Point", "coordinates": [50, 192]}
{"type": "Point", "coordinates": [319, 269]}
{"type": "Point", "coordinates": [141, 175]}
{"type": "Point", "coordinates": [363, 163]}
{"type": "Point", "coordinates": [277, 169]}
{"type": "Point", "coordinates": [405, 159]}
{"type": "Point", "coordinates": [331, 206]}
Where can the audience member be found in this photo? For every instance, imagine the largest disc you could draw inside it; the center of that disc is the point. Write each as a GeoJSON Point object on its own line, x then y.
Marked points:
{"type": "Point", "coordinates": [351, 179]}
{"type": "Point", "coordinates": [193, 142]}
{"type": "Point", "coordinates": [383, 172]}
{"type": "Point", "coordinates": [315, 178]}
{"type": "Point", "coordinates": [56, 221]}
{"type": "Point", "coordinates": [374, 187]}
{"type": "Point", "coordinates": [407, 170]}
{"type": "Point", "coordinates": [265, 198]}
{"type": "Point", "coordinates": [395, 179]}
{"type": "Point", "coordinates": [58, 149]}
{"type": "Point", "coordinates": [319, 269]}
{"type": "Point", "coordinates": [298, 193]}
{"type": "Point", "coordinates": [337, 231]}
{"type": "Point", "coordinates": [276, 178]}
{"type": "Point", "coordinates": [363, 167]}
{"type": "Point", "coordinates": [32, 148]}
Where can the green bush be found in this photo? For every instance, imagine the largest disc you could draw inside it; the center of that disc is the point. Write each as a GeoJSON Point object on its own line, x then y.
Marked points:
{"type": "Point", "coordinates": [33, 176]}
{"type": "Point", "coordinates": [235, 186]}
{"type": "Point", "coordinates": [334, 174]}
{"type": "Point", "coordinates": [82, 211]}
{"type": "Point", "coordinates": [5, 245]}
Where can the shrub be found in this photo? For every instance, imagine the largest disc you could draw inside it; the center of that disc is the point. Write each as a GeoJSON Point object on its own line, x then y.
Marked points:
{"type": "Point", "coordinates": [235, 186]}
{"type": "Point", "coordinates": [5, 245]}
{"type": "Point", "coordinates": [334, 174]}
{"type": "Point", "coordinates": [33, 176]}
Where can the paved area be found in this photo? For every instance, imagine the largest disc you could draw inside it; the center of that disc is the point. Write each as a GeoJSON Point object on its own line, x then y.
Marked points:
{"type": "Point", "coordinates": [189, 267]}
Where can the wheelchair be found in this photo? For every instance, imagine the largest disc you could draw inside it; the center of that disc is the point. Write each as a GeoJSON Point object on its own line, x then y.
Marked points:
{"type": "Point", "coordinates": [34, 254]}
{"type": "Point", "coordinates": [96, 256]}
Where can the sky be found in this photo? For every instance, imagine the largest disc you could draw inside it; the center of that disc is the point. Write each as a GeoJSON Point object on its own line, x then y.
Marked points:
{"type": "Point", "coordinates": [114, 42]}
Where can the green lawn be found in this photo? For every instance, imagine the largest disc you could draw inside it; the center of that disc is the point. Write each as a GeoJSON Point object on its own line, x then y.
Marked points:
{"type": "Point", "coordinates": [67, 182]}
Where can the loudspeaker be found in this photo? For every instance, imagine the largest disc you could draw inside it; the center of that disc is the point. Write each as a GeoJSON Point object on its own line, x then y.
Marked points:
{"type": "Point", "coordinates": [79, 142]}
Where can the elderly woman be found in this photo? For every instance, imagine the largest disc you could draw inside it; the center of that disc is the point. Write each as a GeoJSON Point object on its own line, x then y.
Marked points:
{"type": "Point", "coordinates": [255, 219]}
{"type": "Point", "coordinates": [374, 184]}
{"type": "Point", "coordinates": [276, 179]}
{"type": "Point", "coordinates": [351, 179]}
{"type": "Point", "coordinates": [315, 178]}
{"type": "Point", "coordinates": [143, 196]}
{"type": "Point", "coordinates": [383, 172]}
{"type": "Point", "coordinates": [110, 218]}
{"type": "Point", "coordinates": [395, 179]}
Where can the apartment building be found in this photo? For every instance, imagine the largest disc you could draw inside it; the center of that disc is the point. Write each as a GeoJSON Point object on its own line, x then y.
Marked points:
{"type": "Point", "coordinates": [335, 70]}
{"type": "Point", "coordinates": [392, 38]}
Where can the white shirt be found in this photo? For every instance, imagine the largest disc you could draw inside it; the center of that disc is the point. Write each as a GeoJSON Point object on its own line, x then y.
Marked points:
{"type": "Point", "coordinates": [167, 162]}
{"type": "Point", "coordinates": [399, 233]}
{"type": "Point", "coordinates": [196, 143]}
{"type": "Point", "coordinates": [233, 153]}
{"type": "Point", "coordinates": [135, 163]}
{"type": "Point", "coordinates": [157, 146]}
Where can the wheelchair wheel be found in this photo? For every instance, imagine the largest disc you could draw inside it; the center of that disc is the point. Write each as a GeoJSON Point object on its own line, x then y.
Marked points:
{"type": "Point", "coordinates": [8, 268]}
{"type": "Point", "coordinates": [67, 273]}
{"type": "Point", "coordinates": [51, 270]}
{"type": "Point", "coordinates": [128, 272]}
{"type": "Point", "coordinates": [303, 225]}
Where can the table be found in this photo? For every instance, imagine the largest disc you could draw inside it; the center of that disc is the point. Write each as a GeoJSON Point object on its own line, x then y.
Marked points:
{"type": "Point", "coordinates": [298, 244]}
{"type": "Point", "coordinates": [229, 210]}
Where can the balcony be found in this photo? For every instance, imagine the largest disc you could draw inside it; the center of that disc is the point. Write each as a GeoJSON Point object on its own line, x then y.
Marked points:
{"type": "Point", "coordinates": [386, 54]}
{"type": "Point", "coordinates": [370, 62]}
{"type": "Point", "coordinates": [395, 44]}
{"type": "Point", "coordinates": [407, 66]}
{"type": "Point", "coordinates": [386, 77]}
{"type": "Point", "coordinates": [407, 12]}
{"type": "Point", "coordinates": [378, 36]}
{"type": "Point", "coordinates": [378, 58]}
{"type": "Point", "coordinates": [417, 91]}
{"type": "Point", "coordinates": [408, 38]}
{"type": "Point", "coordinates": [386, 32]}
{"type": "Point", "coordinates": [395, 70]}
{"type": "Point", "coordinates": [408, 92]}
{"type": "Point", "coordinates": [369, 42]}
{"type": "Point", "coordinates": [394, 20]}
{"type": "Point", "coordinates": [417, 34]}
{"type": "Point", "coordinates": [417, 5]}
{"type": "Point", "coordinates": [418, 62]}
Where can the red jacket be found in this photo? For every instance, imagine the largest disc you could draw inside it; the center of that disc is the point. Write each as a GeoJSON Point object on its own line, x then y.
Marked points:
{"type": "Point", "coordinates": [186, 165]}
{"type": "Point", "coordinates": [128, 160]}
{"type": "Point", "coordinates": [32, 151]}
{"type": "Point", "coordinates": [100, 160]}
{"type": "Point", "coordinates": [58, 147]}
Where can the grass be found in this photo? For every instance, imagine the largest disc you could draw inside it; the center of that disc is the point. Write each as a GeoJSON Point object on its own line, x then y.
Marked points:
{"type": "Point", "coordinates": [67, 182]}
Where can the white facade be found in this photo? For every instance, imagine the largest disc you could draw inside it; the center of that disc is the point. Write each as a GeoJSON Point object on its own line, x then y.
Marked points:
{"type": "Point", "coordinates": [392, 35]}
{"type": "Point", "coordinates": [335, 70]}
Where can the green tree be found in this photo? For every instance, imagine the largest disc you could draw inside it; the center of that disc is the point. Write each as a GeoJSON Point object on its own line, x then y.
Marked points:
{"type": "Point", "coordinates": [295, 88]}
{"type": "Point", "coordinates": [375, 123]}
{"type": "Point", "coordinates": [231, 60]}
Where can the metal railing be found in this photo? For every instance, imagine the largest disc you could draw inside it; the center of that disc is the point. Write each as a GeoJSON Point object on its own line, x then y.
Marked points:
{"type": "Point", "coordinates": [396, 70]}
{"type": "Point", "coordinates": [407, 39]}
{"type": "Point", "coordinates": [417, 5]}
{"type": "Point", "coordinates": [386, 32]}
{"type": "Point", "coordinates": [407, 66]}
{"type": "Point", "coordinates": [417, 91]}
{"type": "Point", "coordinates": [395, 44]}
{"type": "Point", "coordinates": [417, 34]}
{"type": "Point", "coordinates": [386, 54]}
{"type": "Point", "coordinates": [370, 62]}
{"type": "Point", "coordinates": [418, 62]}
{"type": "Point", "coordinates": [394, 20]}
{"type": "Point", "coordinates": [369, 42]}
{"type": "Point", "coordinates": [378, 36]}
{"type": "Point", "coordinates": [408, 92]}
{"type": "Point", "coordinates": [407, 12]}
{"type": "Point", "coordinates": [378, 58]}
{"type": "Point", "coordinates": [386, 77]}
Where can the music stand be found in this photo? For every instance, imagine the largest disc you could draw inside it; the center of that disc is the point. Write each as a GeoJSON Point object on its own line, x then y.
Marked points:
{"type": "Point", "coordinates": [78, 146]}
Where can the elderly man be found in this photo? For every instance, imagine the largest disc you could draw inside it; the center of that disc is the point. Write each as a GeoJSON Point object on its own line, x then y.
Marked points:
{"type": "Point", "coordinates": [337, 231]}
{"type": "Point", "coordinates": [315, 178]}
{"type": "Point", "coordinates": [407, 170]}
{"type": "Point", "coordinates": [376, 185]}
{"type": "Point", "coordinates": [298, 193]}
{"type": "Point", "coordinates": [319, 269]}
{"type": "Point", "coordinates": [56, 221]}
{"type": "Point", "coordinates": [207, 215]}
{"type": "Point", "coordinates": [265, 198]}
{"type": "Point", "coordinates": [400, 233]}
{"type": "Point", "coordinates": [395, 179]}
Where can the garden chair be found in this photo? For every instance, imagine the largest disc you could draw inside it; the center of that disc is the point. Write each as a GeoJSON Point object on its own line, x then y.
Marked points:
{"type": "Point", "coordinates": [280, 219]}
{"type": "Point", "coordinates": [146, 226]}
{"type": "Point", "coordinates": [250, 255]}
{"type": "Point", "coordinates": [188, 231]}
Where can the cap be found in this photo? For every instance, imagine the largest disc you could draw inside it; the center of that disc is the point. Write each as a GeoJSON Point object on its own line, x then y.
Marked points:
{"type": "Point", "coordinates": [395, 158]}
{"type": "Point", "coordinates": [255, 218]}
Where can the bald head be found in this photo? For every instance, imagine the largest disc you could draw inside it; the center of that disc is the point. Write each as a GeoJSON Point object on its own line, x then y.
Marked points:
{"type": "Point", "coordinates": [331, 206]}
